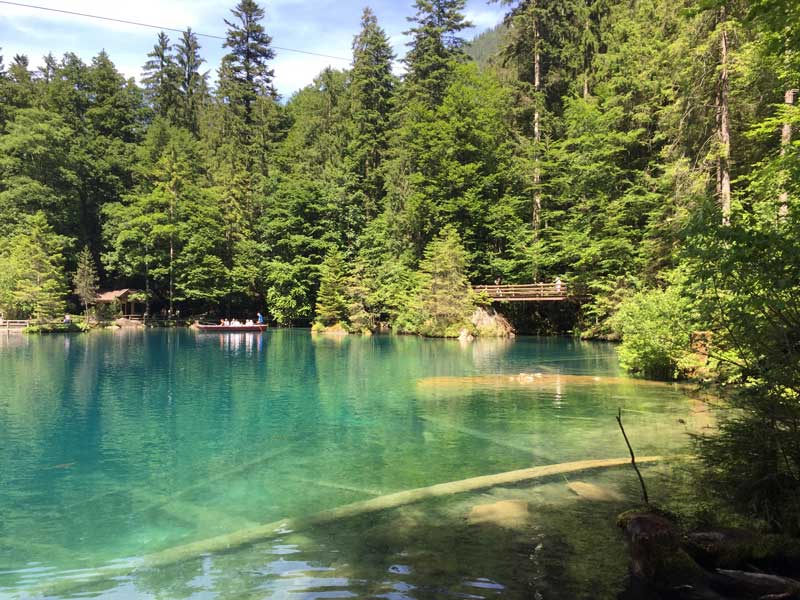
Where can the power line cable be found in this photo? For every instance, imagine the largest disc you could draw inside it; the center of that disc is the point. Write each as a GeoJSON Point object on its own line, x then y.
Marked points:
{"type": "Point", "coordinates": [138, 24]}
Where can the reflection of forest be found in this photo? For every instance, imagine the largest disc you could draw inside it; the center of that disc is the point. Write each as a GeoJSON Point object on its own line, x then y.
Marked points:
{"type": "Point", "coordinates": [130, 442]}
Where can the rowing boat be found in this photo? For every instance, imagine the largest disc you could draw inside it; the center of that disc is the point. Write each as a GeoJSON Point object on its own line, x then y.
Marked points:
{"type": "Point", "coordinates": [229, 328]}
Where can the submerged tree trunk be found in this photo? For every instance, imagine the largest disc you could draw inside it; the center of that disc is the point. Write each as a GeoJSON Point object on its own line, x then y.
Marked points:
{"type": "Point", "coordinates": [786, 139]}
{"type": "Point", "coordinates": [723, 127]}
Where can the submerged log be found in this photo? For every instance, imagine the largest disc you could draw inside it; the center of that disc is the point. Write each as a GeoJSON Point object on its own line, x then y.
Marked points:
{"type": "Point", "coordinates": [260, 533]}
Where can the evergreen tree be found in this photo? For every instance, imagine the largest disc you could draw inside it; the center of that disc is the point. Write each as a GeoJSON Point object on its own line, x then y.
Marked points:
{"type": "Point", "coordinates": [444, 301]}
{"type": "Point", "coordinates": [85, 279]}
{"type": "Point", "coordinates": [435, 48]}
{"type": "Point", "coordinates": [31, 261]}
{"type": "Point", "coordinates": [371, 87]}
{"type": "Point", "coordinates": [49, 70]}
{"type": "Point", "coordinates": [332, 302]}
{"type": "Point", "coordinates": [161, 79]}
{"type": "Point", "coordinates": [244, 74]}
{"type": "Point", "coordinates": [193, 84]}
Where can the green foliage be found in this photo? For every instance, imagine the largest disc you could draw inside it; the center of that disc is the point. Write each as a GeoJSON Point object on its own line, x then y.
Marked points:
{"type": "Point", "coordinates": [160, 77]}
{"type": "Point", "coordinates": [31, 271]}
{"type": "Point", "coordinates": [85, 279]}
{"type": "Point", "coordinates": [244, 74]}
{"type": "Point", "coordinates": [443, 300]}
{"type": "Point", "coordinates": [435, 48]}
{"type": "Point", "coordinates": [372, 88]}
{"type": "Point", "coordinates": [332, 303]}
{"type": "Point", "coordinates": [749, 273]}
{"type": "Point", "coordinates": [656, 328]}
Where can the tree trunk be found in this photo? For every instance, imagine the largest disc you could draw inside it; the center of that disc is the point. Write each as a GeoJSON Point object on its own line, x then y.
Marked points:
{"type": "Point", "coordinates": [786, 139]}
{"type": "Point", "coordinates": [171, 250]}
{"type": "Point", "coordinates": [537, 194]}
{"type": "Point", "coordinates": [723, 124]}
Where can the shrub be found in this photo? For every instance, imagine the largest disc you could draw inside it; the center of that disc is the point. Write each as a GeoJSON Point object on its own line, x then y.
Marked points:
{"type": "Point", "coordinates": [656, 327]}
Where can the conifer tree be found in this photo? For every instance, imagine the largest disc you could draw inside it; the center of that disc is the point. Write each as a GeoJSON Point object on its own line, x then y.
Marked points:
{"type": "Point", "coordinates": [244, 74]}
{"type": "Point", "coordinates": [435, 48]}
{"type": "Point", "coordinates": [85, 279]}
{"type": "Point", "coordinates": [444, 299]}
{"type": "Point", "coordinates": [372, 87]}
{"type": "Point", "coordinates": [32, 263]}
{"type": "Point", "coordinates": [193, 84]}
{"type": "Point", "coordinates": [160, 77]}
{"type": "Point", "coordinates": [332, 303]}
{"type": "Point", "coordinates": [47, 72]}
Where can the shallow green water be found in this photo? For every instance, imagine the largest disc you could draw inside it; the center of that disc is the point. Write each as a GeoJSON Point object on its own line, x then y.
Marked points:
{"type": "Point", "coordinates": [118, 445]}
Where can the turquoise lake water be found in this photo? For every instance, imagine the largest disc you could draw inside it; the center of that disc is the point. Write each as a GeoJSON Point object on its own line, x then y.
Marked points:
{"type": "Point", "coordinates": [119, 445]}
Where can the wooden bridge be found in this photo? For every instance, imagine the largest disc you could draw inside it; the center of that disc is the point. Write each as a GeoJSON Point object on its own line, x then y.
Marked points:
{"type": "Point", "coordinates": [12, 325]}
{"type": "Point", "coordinates": [528, 292]}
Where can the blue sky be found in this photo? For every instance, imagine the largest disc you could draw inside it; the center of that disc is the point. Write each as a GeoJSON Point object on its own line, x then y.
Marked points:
{"type": "Point", "coordinates": [324, 26]}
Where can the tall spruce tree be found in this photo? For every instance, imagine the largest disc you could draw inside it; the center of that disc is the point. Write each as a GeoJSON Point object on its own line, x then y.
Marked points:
{"type": "Point", "coordinates": [244, 74]}
{"type": "Point", "coordinates": [435, 47]}
{"type": "Point", "coordinates": [32, 263]}
{"type": "Point", "coordinates": [193, 85]}
{"type": "Point", "coordinates": [372, 87]}
{"type": "Point", "coordinates": [161, 78]}
{"type": "Point", "coordinates": [85, 279]}
{"type": "Point", "coordinates": [332, 301]}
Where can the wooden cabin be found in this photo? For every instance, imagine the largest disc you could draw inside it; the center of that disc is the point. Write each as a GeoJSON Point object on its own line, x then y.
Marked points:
{"type": "Point", "coordinates": [129, 306]}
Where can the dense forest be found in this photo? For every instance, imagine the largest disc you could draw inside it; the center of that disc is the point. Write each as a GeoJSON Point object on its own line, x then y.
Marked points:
{"type": "Point", "coordinates": [643, 151]}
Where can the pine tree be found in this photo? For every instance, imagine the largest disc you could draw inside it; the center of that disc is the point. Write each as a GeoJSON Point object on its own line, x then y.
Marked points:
{"type": "Point", "coordinates": [244, 74]}
{"type": "Point", "coordinates": [85, 279]}
{"type": "Point", "coordinates": [372, 87]}
{"type": "Point", "coordinates": [32, 263]}
{"type": "Point", "coordinates": [161, 78]}
{"type": "Point", "coordinates": [193, 83]}
{"type": "Point", "coordinates": [444, 300]}
{"type": "Point", "coordinates": [48, 71]}
{"type": "Point", "coordinates": [332, 303]}
{"type": "Point", "coordinates": [435, 48]}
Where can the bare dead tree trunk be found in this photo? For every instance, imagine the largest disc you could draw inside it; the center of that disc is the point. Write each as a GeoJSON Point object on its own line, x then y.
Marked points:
{"type": "Point", "coordinates": [723, 125]}
{"type": "Point", "coordinates": [633, 458]}
{"type": "Point", "coordinates": [786, 139]}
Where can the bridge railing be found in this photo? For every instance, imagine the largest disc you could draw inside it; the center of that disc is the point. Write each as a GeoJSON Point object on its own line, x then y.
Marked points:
{"type": "Point", "coordinates": [521, 292]}
{"type": "Point", "coordinates": [13, 324]}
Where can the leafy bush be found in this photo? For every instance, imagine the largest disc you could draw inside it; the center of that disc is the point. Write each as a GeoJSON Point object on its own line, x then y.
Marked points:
{"type": "Point", "coordinates": [656, 327]}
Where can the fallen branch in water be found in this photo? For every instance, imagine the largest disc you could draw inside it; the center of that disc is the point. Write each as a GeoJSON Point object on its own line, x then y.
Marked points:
{"type": "Point", "coordinates": [633, 458]}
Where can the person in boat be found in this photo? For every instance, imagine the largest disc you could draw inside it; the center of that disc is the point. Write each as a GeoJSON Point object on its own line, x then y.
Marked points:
{"type": "Point", "coordinates": [249, 322]}
{"type": "Point", "coordinates": [227, 323]}
{"type": "Point", "coordinates": [259, 318]}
